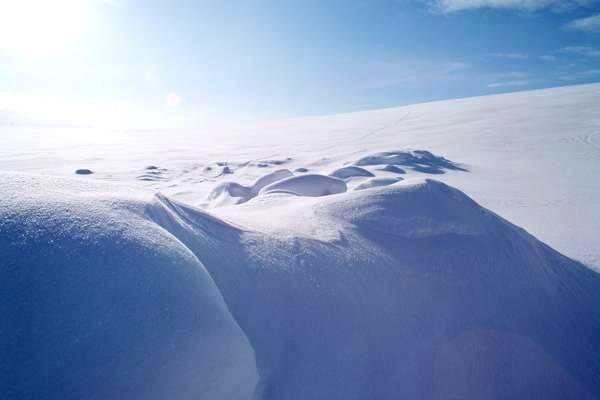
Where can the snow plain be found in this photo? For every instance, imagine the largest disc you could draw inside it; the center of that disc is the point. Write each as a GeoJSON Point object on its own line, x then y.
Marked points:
{"type": "Point", "coordinates": [351, 256]}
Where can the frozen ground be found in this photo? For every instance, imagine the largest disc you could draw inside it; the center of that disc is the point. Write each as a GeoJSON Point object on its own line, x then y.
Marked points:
{"type": "Point", "coordinates": [351, 256]}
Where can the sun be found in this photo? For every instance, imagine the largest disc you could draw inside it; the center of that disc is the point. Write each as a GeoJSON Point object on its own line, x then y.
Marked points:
{"type": "Point", "coordinates": [38, 28]}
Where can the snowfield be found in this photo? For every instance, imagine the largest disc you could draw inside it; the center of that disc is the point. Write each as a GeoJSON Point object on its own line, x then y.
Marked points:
{"type": "Point", "coordinates": [344, 257]}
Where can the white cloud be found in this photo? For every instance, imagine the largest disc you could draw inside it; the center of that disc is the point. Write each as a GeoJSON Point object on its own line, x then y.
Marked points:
{"type": "Point", "coordinates": [509, 83]}
{"type": "Point", "coordinates": [449, 6]}
{"type": "Point", "coordinates": [585, 51]}
{"type": "Point", "coordinates": [578, 75]}
{"type": "Point", "coordinates": [587, 24]}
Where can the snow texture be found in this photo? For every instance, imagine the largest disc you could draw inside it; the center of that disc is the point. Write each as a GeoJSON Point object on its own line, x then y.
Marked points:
{"type": "Point", "coordinates": [97, 301]}
{"type": "Point", "coordinates": [238, 280]}
{"type": "Point", "coordinates": [405, 291]}
{"type": "Point", "coordinates": [351, 172]}
{"type": "Point", "coordinates": [312, 185]}
{"type": "Point", "coordinates": [376, 182]}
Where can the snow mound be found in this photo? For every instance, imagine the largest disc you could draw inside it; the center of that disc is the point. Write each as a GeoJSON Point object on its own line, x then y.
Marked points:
{"type": "Point", "coordinates": [268, 179]}
{"type": "Point", "coordinates": [312, 185]}
{"type": "Point", "coordinates": [418, 160]}
{"type": "Point", "coordinates": [229, 193]}
{"type": "Point", "coordinates": [98, 301]}
{"type": "Point", "coordinates": [350, 172]}
{"type": "Point", "coordinates": [232, 193]}
{"type": "Point", "coordinates": [377, 182]}
{"type": "Point", "coordinates": [393, 168]}
{"type": "Point", "coordinates": [420, 293]}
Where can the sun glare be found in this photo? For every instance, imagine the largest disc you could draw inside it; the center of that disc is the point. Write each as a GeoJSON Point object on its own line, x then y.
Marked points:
{"type": "Point", "coordinates": [37, 28]}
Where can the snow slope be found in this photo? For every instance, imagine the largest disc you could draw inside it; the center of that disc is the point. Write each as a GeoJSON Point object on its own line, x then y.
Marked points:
{"type": "Point", "coordinates": [532, 156]}
{"type": "Point", "coordinates": [97, 301]}
{"type": "Point", "coordinates": [354, 276]}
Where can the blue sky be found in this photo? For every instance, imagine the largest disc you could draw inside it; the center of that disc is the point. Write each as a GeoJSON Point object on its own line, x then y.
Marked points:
{"type": "Point", "coordinates": [194, 60]}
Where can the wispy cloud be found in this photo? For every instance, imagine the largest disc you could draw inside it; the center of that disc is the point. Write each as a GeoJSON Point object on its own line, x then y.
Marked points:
{"type": "Point", "coordinates": [584, 51]}
{"type": "Point", "coordinates": [509, 76]}
{"type": "Point", "coordinates": [579, 75]}
{"type": "Point", "coordinates": [512, 56]}
{"type": "Point", "coordinates": [449, 6]}
{"type": "Point", "coordinates": [522, 82]}
{"type": "Point", "coordinates": [587, 24]}
{"type": "Point", "coordinates": [412, 73]}
{"type": "Point", "coordinates": [548, 58]}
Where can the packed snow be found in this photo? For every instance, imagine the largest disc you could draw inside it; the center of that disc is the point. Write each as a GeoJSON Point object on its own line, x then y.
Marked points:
{"type": "Point", "coordinates": [344, 257]}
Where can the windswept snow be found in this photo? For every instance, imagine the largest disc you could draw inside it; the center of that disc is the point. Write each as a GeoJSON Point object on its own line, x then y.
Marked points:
{"type": "Point", "coordinates": [376, 182]}
{"type": "Point", "coordinates": [97, 301]}
{"type": "Point", "coordinates": [417, 160]}
{"type": "Point", "coordinates": [531, 156]}
{"type": "Point", "coordinates": [351, 172]}
{"type": "Point", "coordinates": [411, 290]}
{"type": "Point", "coordinates": [269, 179]}
{"type": "Point", "coordinates": [312, 185]}
{"type": "Point", "coordinates": [231, 193]}
{"type": "Point", "coordinates": [242, 280]}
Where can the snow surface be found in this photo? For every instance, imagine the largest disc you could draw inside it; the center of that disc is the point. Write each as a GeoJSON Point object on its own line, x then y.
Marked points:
{"type": "Point", "coordinates": [97, 301]}
{"type": "Point", "coordinates": [376, 182]}
{"type": "Point", "coordinates": [402, 291]}
{"type": "Point", "coordinates": [350, 172]}
{"type": "Point", "coordinates": [243, 280]}
{"type": "Point", "coordinates": [312, 185]}
{"type": "Point", "coordinates": [533, 157]}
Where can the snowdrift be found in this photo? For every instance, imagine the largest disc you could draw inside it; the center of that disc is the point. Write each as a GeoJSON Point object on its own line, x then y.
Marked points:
{"type": "Point", "coordinates": [232, 193]}
{"type": "Point", "coordinates": [99, 302]}
{"type": "Point", "coordinates": [410, 290]}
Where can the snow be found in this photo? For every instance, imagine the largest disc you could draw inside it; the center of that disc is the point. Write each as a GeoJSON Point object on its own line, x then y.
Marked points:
{"type": "Point", "coordinates": [270, 178]}
{"type": "Point", "coordinates": [231, 193]}
{"type": "Point", "coordinates": [531, 156]}
{"type": "Point", "coordinates": [417, 160]}
{"type": "Point", "coordinates": [313, 185]}
{"type": "Point", "coordinates": [350, 172]}
{"type": "Point", "coordinates": [374, 285]}
{"type": "Point", "coordinates": [207, 269]}
{"type": "Point", "coordinates": [393, 168]}
{"type": "Point", "coordinates": [376, 182]}
{"type": "Point", "coordinates": [98, 301]}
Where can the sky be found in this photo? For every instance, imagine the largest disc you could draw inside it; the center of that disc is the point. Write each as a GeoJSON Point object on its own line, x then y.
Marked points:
{"type": "Point", "coordinates": [186, 62]}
